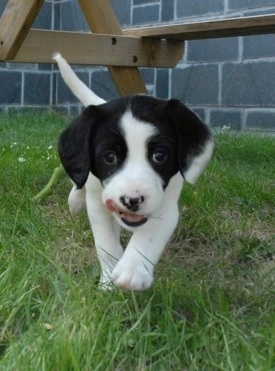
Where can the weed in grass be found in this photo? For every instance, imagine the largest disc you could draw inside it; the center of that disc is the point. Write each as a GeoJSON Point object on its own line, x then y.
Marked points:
{"type": "Point", "coordinates": [212, 306]}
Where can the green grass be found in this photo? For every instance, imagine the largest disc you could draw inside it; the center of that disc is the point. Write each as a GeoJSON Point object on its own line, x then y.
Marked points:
{"type": "Point", "coordinates": [212, 306]}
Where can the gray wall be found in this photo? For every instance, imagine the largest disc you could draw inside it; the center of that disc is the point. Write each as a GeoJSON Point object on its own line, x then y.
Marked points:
{"type": "Point", "coordinates": [227, 82]}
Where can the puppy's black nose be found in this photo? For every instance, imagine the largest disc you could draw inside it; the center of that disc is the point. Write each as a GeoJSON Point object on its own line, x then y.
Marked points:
{"type": "Point", "coordinates": [132, 203]}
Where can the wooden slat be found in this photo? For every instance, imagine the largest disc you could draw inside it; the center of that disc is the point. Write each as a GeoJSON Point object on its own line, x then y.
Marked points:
{"type": "Point", "coordinates": [97, 49]}
{"type": "Point", "coordinates": [15, 23]}
{"type": "Point", "coordinates": [102, 19]}
{"type": "Point", "coordinates": [255, 25]}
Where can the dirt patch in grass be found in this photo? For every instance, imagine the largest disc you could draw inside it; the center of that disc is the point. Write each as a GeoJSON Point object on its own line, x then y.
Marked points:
{"type": "Point", "coordinates": [73, 246]}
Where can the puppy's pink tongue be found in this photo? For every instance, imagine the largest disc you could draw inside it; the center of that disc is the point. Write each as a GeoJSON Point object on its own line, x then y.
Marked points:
{"type": "Point", "coordinates": [129, 217]}
{"type": "Point", "coordinates": [111, 205]}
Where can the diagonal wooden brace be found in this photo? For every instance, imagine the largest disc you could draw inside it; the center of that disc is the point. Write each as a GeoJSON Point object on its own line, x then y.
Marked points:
{"type": "Point", "coordinates": [15, 24]}
{"type": "Point", "coordinates": [102, 19]}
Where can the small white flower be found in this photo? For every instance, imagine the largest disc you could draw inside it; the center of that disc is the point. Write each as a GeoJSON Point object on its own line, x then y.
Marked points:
{"type": "Point", "coordinates": [21, 159]}
{"type": "Point", "coordinates": [13, 144]}
{"type": "Point", "coordinates": [225, 128]}
{"type": "Point", "coordinates": [50, 147]}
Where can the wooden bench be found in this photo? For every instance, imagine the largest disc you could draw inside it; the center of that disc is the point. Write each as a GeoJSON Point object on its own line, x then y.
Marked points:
{"type": "Point", "coordinates": [123, 51]}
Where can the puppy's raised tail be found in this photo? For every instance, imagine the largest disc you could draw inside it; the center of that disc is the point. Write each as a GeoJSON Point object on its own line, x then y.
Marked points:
{"type": "Point", "coordinates": [78, 88]}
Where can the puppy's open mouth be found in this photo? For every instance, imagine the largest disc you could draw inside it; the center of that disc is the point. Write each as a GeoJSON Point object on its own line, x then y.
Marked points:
{"type": "Point", "coordinates": [130, 219]}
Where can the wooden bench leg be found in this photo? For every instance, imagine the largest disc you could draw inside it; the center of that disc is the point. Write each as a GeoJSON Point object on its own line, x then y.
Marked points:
{"type": "Point", "coordinates": [101, 18]}
{"type": "Point", "coordinates": [15, 24]}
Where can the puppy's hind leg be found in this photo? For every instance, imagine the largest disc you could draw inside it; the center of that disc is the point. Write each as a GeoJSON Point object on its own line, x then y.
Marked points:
{"type": "Point", "coordinates": [77, 200]}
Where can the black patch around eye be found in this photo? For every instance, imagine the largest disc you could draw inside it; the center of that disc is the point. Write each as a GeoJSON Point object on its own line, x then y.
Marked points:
{"type": "Point", "coordinates": [162, 157]}
{"type": "Point", "coordinates": [109, 156]}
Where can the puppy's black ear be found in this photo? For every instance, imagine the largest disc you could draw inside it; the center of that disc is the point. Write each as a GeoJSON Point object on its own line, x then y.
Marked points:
{"type": "Point", "coordinates": [75, 146]}
{"type": "Point", "coordinates": [195, 141]}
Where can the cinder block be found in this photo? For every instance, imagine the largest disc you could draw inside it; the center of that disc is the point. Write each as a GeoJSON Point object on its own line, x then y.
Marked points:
{"type": "Point", "coordinates": [72, 18]}
{"type": "Point", "coordinates": [122, 9]}
{"type": "Point", "coordinates": [148, 75]}
{"type": "Point", "coordinates": [224, 117]}
{"type": "Point", "coordinates": [248, 84]}
{"type": "Point", "coordinates": [10, 92]}
{"type": "Point", "coordinates": [187, 8]}
{"type": "Point", "coordinates": [146, 14]}
{"type": "Point", "coordinates": [44, 17]}
{"type": "Point", "coordinates": [246, 4]}
{"type": "Point", "coordinates": [56, 16]}
{"type": "Point", "coordinates": [37, 88]}
{"type": "Point", "coordinates": [167, 10]}
{"type": "Point", "coordinates": [213, 50]}
{"type": "Point", "coordinates": [162, 83]}
{"type": "Point", "coordinates": [44, 66]}
{"type": "Point", "coordinates": [197, 85]}
{"type": "Point", "coordinates": [259, 46]}
{"type": "Point", "coordinates": [261, 120]}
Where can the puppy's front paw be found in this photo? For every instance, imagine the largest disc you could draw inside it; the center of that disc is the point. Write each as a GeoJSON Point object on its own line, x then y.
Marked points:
{"type": "Point", "coordinates": [132, 275]}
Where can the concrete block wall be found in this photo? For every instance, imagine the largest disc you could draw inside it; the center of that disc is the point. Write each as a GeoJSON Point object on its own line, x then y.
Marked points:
{"type": "Point", "coordinates": [231, 81]}
{"type": "Point", "coordinates": [227, 82]}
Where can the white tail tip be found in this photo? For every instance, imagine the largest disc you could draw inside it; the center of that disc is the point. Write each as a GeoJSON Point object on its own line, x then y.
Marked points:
{"type": "Point", "coordinates": [86, 96]}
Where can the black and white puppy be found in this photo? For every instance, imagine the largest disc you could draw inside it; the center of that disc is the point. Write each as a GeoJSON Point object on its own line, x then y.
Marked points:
{"type": "Point", "coordinates": [127, 159]}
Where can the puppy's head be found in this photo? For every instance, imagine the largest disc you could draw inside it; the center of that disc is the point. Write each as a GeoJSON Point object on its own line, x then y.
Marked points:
{"type": "Point", "coordinates": [134, 146]}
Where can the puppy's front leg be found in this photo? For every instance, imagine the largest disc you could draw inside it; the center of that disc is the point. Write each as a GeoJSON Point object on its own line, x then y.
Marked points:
{"type": "Point", "coordinates": [105, 230]}
{"type": "Point", "coordinates": [106, 233]}
{"type": "Point", "coordinates": [135, 269]}
{"type": "Point", "coordinates": [106, 237]}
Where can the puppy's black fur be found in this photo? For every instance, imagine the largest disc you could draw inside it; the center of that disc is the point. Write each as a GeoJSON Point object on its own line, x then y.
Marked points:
{"type": "Point", "coordinates": [94, 141]}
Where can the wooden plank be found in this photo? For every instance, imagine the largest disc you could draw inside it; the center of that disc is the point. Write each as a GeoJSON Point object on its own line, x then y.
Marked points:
{"type": "Point", "coordinates": [256, 25]}
{"type": "Point", "coordinates": [15, 24]}
{"type": "Point", "coordinates": [97, 49]}
{"type": "Point", "coordinates": [102, 19]}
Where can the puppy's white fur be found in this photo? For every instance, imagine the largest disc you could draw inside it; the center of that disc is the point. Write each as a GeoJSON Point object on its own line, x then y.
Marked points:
{"type": "Point", "coordinates": [80, 90]}
{"type": "Point", "coordinates": [133, 268]}
{"type": "Point", "coordinates": [137, 178]}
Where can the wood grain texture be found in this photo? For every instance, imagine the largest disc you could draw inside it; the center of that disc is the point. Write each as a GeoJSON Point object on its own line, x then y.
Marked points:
{"type": "Point", "coordinates": [256, 25]}
{"type": "Point", "coordinates": [101, 18]}
{"type": "Point", "coordinates": [15, 24]}
{"type": "Point", "coordinates": [97, 49]}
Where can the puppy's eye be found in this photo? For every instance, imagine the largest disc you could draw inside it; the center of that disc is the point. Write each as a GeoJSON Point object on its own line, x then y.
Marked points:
{"type": "Point", "coordinates": [159, 156]}
{"type": "Point", "coordinates": [110, 158]}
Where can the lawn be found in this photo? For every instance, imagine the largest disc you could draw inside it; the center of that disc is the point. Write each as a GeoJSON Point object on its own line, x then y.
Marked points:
{"type": "Point", "coordinates": [212, 306]}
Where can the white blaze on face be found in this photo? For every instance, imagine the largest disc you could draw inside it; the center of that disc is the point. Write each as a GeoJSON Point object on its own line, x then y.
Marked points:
{"type": "Point", "coordinates": [136, 177]}
{"type": "Point", "coordinates": [137, 135]}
